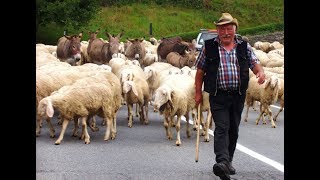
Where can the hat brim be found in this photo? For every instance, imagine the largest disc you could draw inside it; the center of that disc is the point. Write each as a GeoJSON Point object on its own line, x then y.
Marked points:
{"type": "Point", "coordinates": [234, 21]}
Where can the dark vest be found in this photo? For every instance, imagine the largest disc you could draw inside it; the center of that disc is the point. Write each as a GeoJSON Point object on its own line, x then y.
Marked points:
{"type": "Point", "coordinates": [213, 61]}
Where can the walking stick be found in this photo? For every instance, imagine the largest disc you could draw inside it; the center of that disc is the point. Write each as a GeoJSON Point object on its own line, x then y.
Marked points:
{"type": "Point", "coordinates": [198, 134]}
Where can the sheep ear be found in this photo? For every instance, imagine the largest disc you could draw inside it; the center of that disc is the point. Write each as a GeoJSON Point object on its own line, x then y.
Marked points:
{"type": "Point", "coordinates": [170, 99]}
{"type": "Point", "coordinates": [133, 88]}
{"type": "Point", "coordinates": [49, 108]}
{"type": "Point", "coordinates": [267, 83]}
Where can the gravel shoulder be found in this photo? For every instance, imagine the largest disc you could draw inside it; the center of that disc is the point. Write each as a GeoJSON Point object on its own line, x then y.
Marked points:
{"type": "Point", "coordinates": [271, 37]}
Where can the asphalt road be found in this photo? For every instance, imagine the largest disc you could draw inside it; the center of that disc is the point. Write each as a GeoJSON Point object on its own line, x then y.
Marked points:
{"type": "Point", "coordinates": [143, 152]}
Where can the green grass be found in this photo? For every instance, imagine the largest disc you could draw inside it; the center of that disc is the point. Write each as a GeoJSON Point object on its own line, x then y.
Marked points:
{"type": "Point", "coordinates": [254, 17]}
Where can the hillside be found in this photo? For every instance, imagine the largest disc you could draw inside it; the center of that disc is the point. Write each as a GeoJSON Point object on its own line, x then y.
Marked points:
{"type": "Point", "coordinates": [170, 19]}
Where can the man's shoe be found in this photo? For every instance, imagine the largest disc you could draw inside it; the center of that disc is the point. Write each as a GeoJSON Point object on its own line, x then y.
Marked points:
{"type": "Point", "coordinates": [231, 169]}
{"type": "Point", "coordinates": [221, 170]}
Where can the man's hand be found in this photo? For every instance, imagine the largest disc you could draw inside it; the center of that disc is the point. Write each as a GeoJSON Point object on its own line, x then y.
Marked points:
{"type": "Point", "coordinates": [261, 76]}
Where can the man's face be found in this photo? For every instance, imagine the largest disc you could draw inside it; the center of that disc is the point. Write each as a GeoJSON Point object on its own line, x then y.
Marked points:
{"type": "Point", "coordinates": [226, 33]}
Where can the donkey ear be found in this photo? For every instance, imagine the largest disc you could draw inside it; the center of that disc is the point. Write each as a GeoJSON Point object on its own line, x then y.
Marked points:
{"type": "Point", "coordinates": [109, 35]}
{"type": "Point", "coordinates": [80, 34]}
{"type": "Point", "coordinates": [68, 37]}
{"type": "Point", "coordinates": [120, 34]}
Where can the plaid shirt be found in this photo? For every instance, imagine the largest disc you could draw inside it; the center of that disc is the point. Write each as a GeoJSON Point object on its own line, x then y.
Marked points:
{"type": "Point", "coordinates": [228, 71]}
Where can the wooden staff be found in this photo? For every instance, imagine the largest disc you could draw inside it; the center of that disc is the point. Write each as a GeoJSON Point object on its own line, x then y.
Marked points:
{"type": "Point", "coordinates": [198, 134]}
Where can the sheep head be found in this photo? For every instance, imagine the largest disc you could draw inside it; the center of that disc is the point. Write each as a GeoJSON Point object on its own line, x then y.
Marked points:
{"type": "Point", "coordinates": [163, 99]}
{"type": "Point", "coordinates": [45, 107]}
{"type": "Point", "coordinates": [129, 85]}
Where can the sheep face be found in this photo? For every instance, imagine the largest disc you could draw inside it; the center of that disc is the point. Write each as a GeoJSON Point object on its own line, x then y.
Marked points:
{"type": "Point", "coordinates": [162, 99]}
{"type": "Point", "coordinates": [272, 81]}
{"type": "Point", "coordinates": [129, 85]}
{"type": "Point", "coordinates": [148, 71]}
{"type": "Point", "coordinates": [126, 76]}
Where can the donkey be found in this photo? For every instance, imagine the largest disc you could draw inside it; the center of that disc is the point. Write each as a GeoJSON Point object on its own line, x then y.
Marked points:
{"type": "Point", "coordinates": [100, 52]}
{"type": "Point", "coordinates": [174, 44]}
{"type": "Point", "coordinates": [68, 49]}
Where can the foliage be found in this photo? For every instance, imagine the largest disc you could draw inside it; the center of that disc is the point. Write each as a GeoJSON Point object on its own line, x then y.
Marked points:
{"type": "Point", "coordinates": [181, 3]}
{"type": "Point", "coordinates": [70, 13]}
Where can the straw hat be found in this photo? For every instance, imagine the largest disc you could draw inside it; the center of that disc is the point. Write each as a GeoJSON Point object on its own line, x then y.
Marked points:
{"type": "Point", "coordinates": [226, 18]}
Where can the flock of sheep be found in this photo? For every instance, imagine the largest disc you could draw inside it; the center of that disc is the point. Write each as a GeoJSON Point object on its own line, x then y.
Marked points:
{"type": "Point", "coordinates": [132, 73]}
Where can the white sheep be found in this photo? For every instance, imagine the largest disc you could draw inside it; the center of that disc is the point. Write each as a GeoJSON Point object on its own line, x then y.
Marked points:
{"type": "Point", "coordinates": [266, 94]}
{"type": "Point", "coordinates": [137, 91]}
{"type": "Point", "coordinates": [175, 97]}
{"type": "Point", "coordinates": [280, 97]}
{"type": "Point", "coordinates": [279, 70]}
{"type": "Point", "coordinates": [99, 94]}
{"type": "Point", "coordinates": [205, 107]}
{"type": "Point", "coordinates": [263, 46]}
{"type": "Point", "coordinates": [149, 59]}
{"type": "Point", "coordinates": [51, 79]}
{"type": "Point", "coordinates": [70, 105]}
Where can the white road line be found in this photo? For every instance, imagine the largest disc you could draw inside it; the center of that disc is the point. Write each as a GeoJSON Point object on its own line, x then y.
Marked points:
{"type": "Point", "coordinates": [256, 155]}
{"type": "Point", "coordinates": [276, 106]}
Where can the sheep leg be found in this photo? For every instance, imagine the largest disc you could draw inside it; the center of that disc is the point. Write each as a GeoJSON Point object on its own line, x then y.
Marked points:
{"type": "Point", "coordinates": [172, 122]}
{"type": "Point", "coordinates": [204, 128]}
{"type": "Point", "coordinates": [263, 119]}
{"type": "Point", "coordinates": [254, 105]}
{"type": "Point", "coordinates": [63, 130]}
{"type": "Point", "coordinates": [246, 115]}
{"type": "Point", "coordinates": [141, 112]}
{"type": "Point", "coordinates": [167, 126]}
{"type": "Point", "coordinates": [92, 123]}
{"type": "Point", "coordinates": [85, 133]}
{"type": "Point", "coordinates": [76, 127]}
{"type": "Point", "coordinates": [108, 128]}
{"type": "Point", "coordinates": [260, 115]}
{"type": "Point", "coordinates": [194, 117]}
{"type": "Point", "coordinates": [178, 141]}
{"type": "Point", "coordinates": [51, 129]}
{"type": "Point", "coordinates": [188, 129]}
{"type": "Point", "coordinates": [137, 108]}
{"type": "Point", "coordinates": [130, 114]}
{"type": "Point", "coordinates": [59, 119]}
{"type": "Point", "coordinates": [103, 123]}
{"type": "Point", "coordinates": [38, 125]}
{"type": "Point", "coordinates": [146, 119]}
{"type": "Point", "coordinates": [276, 116]}
{"type": "Point", "coordinates": [265, 111]}
{"type": "Point", "coordinates": [114, 127]}
{"type": "Point", "coordinates": [269, 112]}
{"type": "Point", "coordinates": [208, 122]}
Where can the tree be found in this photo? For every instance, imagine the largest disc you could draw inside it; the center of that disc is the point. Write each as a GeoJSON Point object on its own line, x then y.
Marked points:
{"type": "Point", "coordinates": [66, 12]}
